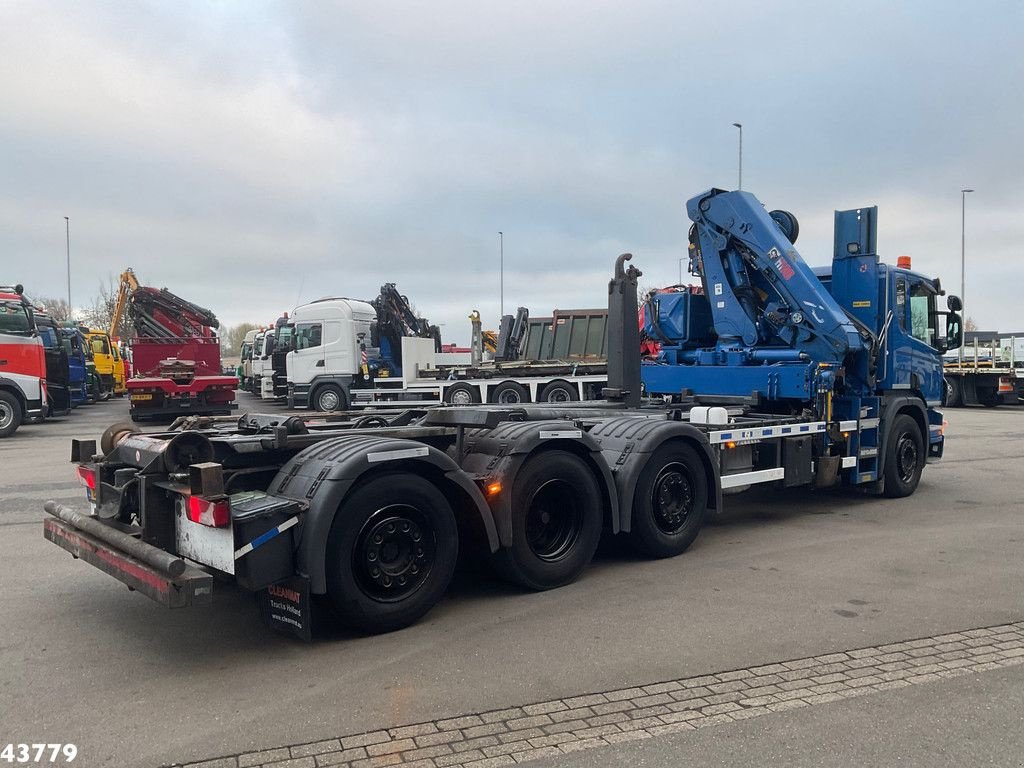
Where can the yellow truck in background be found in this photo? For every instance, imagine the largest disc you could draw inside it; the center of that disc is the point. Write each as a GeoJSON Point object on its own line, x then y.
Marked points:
{"type": "Point", "coordinates": [109, 365]}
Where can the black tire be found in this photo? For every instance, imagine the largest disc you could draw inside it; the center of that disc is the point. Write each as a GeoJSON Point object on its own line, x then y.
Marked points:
{"type": "Point", "coordinates": [559, 392]}
{"type": "Point", "coordinates": [462, 394]}
{"type": "Point", "coordinates": [954, 392]}
{"type": "Point", "coordinates": [557, 516]}
{"type": "Point", "coordinates": [904, 458]}
{"type": "Point", "coordinates": [114, 434]}
{"type": "Point", "coordinates": [403, 523]}
{"type": "Point", "coordinates": [329, 397]}
{"type": "Point", "coordinates": [670, 501]}
{"type": "Point", "coordinates": [10, 414]}
{"type": "Point", "coordinates": [510, 393]}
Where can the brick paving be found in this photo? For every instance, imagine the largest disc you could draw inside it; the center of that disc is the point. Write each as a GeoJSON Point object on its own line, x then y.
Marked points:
{"type": "Point", "coordinates": [558, 727]}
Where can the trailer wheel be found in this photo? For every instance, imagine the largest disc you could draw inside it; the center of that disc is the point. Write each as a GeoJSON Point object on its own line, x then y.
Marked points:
{"type": "Point", "coordinates": [559, 392]}
{"type": "Point", "coordinates": [989, 398]}
{"type": "Point", "coordinates": [670, 502]}
{"type": "Point", "coordinates": [329, 397]}
{"type": "Point", "coordinates": [462, 394]}
{"type": "Point", "coordinates": [391, 552]}
{"type": "Point", "coordinates": [510, 393]}
{"type": "Point", "coordinates": [557, 516]}
{"type": "Point", "coordinates": [954, 392]}
{"type": "Point", "coordinates": [10, 414]}
{"type": "Point", "coordinates": [904, 458]}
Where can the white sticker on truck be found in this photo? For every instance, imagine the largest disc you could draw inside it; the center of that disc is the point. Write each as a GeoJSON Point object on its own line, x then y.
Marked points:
{"type": "Point", "coordinates": [561, 434]}
{"type": "Point", "coordinates": [403, 453]}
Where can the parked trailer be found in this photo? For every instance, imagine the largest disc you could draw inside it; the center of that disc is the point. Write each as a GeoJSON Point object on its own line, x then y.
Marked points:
{"type": "Point", "coordinates": [988, 370]}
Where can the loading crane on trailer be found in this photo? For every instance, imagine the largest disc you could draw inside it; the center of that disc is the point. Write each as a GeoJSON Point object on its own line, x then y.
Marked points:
{"type": "Point", "coordinates": [765, 378]}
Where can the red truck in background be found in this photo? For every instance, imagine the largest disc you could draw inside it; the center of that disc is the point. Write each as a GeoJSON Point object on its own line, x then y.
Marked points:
{"type": "Point", "coordinates": [175, 355]}
{"type": "Point", "coordinates": [22, 363]}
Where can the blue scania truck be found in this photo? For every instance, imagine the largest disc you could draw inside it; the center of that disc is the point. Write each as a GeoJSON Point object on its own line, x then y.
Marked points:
{"type": "Point", "coordinates": [770, 373]}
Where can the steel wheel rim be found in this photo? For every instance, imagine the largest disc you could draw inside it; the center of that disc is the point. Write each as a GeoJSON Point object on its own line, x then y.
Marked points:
{"type": "Point", "coordinates": [394, 553]}
{"type": "Point", "coordinates": [6, 415]}
{"type": "Point", "coordinates": [461, 396]}
{"type": "Point", "coordinates": [558, 395]}
{"type": "Point", "coordinates": [554, 520]}
{"type": "Point", "coordinates": [509, 396]}
{"type": "Point", "coordinates": [672, 497]}
{"type": "Point", "coordinates": [329, 401]}
{"type": "Point", "coordinates": [906, 457]}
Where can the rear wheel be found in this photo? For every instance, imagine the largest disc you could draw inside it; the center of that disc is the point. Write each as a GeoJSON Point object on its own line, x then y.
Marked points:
{"type": "Point", "coordinates": [559, 392]}
{"type": "Point", "coordinates": [510, 393]}
{"type": "Point", "coordinates": [391, 552]}
{"type": "Point", "coordinates": [10, 414]}
{"type": "Point", "coordinates": [989, 398]}
{"type": "Point", "coordinates": [330, 397]}
{"type": "Point", "coordinates": [670, 502]}
{"type": "Point", "coordinates": [462, 394]}
{"type": "Point", "coordinates": [556, 521]}
{"type": "Point", "coordinates": [904, 458]}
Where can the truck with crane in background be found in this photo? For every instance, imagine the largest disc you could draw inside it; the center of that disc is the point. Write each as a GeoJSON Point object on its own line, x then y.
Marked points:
{"type": "Point", "coordinates": [773, 375]}
{"type": "Point", "coordinates": [175, 354]}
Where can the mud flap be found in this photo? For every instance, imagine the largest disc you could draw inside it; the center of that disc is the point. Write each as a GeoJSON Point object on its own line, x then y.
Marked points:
{"type": "Point", "coordinates": [288, 607]}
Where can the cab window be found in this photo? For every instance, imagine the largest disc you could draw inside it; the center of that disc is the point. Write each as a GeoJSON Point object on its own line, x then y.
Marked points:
{"type": "Point", "coordinates": [922, 313]}
{"type": "Point", "coordinates": [308, 335]}
{"type": "Point", "coordinates": [14, 319]}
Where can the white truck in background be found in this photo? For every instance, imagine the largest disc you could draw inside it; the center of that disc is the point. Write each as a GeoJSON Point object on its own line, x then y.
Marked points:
{"type": "Point", "coordinates": [332, 366]}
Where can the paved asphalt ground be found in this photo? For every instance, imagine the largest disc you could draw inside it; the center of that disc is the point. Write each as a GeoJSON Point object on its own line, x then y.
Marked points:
{"type": "Point", "coordinates": [783, 575]}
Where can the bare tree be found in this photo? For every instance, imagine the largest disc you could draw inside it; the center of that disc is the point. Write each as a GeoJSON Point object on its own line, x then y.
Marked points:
{"type": "Point", "coordinates": [969, 324]}
{"type": "Point", "coordinates": [100, 313]}
{"type": "Point", "coordinates": [231, 338]}
{"type": "Point", "coordinates": [58, 309]}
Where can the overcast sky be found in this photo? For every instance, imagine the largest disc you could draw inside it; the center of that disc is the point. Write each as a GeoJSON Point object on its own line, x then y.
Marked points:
{"type": "Point", "coordinates": [254, 155]}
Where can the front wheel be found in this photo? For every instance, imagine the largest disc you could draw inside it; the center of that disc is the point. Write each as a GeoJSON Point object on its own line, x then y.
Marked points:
{"type": "Point", "coordinates": [391, 552]}
{"type": "Point", "coordinates": [330, 397]}
{"type": "Point", "coordinates": [670, 502]}
{"type": "Point", "coordinates": [557, 516]}
{"type": "Point", "coordinates": [10, 414]}
{"type": "Point", "coordinates": [904, 458]}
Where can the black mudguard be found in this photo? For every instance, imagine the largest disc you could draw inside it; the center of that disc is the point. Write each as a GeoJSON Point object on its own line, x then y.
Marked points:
{"type": "Point", "coordinates": [323, 475]}
{"type": "Point", "coordinates": [496, 455]}
{"type": "Point", "coordinates": [627, 444]}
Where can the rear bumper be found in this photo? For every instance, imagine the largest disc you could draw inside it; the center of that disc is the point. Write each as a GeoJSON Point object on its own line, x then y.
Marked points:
{"type": "Point", "coordinates": [192, 587]}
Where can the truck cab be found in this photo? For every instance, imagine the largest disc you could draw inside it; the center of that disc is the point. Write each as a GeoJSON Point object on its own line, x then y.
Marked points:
{"type": "Point", "coordinates": [57, 368]}
{"type": "Point", "coordinates": [101, 351]}
{"type": "Point", "coordinates": [261, 359]}
{"type": "Point", "coordinates": [245, 358]}
{"type": "Point", "coordinates": [22, 363]}
{"type": "Point", "coordinates": [326, 359]}
{"type": "Point", "coordinates": [78, 378]}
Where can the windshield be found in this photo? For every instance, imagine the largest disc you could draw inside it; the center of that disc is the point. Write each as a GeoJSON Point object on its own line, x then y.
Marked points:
{"type": "Point", "coordinates": [284, 337]}
{"type": "Point", "coordinates": [14, 319]}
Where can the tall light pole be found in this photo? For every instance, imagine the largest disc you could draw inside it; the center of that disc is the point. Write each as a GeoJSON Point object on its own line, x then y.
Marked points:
{"type": "Point", "coordinates": [963, 261]}
{"type": "Point", "coordinates": [740, 126]}
{"type": "Point", "coordinates": [680, 272]}
{"type": "Point", "coordinates": [501, 271]}
{"type": "Point", "coordinates": [67, 242]}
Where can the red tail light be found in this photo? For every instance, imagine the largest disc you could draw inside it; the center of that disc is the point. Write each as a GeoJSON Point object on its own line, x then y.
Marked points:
{"type": "Point", "coordinates": [87, 476]}
{"type": "Point", "coordinates": [216, 514]}
{"type": "Point", "coordinates": [1005, 385]}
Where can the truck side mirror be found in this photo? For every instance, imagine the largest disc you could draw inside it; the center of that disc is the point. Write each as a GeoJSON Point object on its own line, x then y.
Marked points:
{"type": "Point", "coordinates": [954, 329]}
{"type": "Point", "coordinates": [954, 303]}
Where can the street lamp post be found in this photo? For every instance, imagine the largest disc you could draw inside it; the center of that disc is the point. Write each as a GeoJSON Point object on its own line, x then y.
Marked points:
{"type": "Point", "coordinates": [740, 126]}
{"type": "Point", "coordinates": [963, 262]}
{"type": "Point", "coordinates": [680, 272]}
{"type": "Point", "coordinates": [501, 271]}
{"type": "Point", "coordinates": [67, 243]}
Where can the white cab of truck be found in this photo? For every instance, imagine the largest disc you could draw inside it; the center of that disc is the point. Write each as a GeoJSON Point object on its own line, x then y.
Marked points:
{"type": "Point", "coordinates": [326, 352]}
